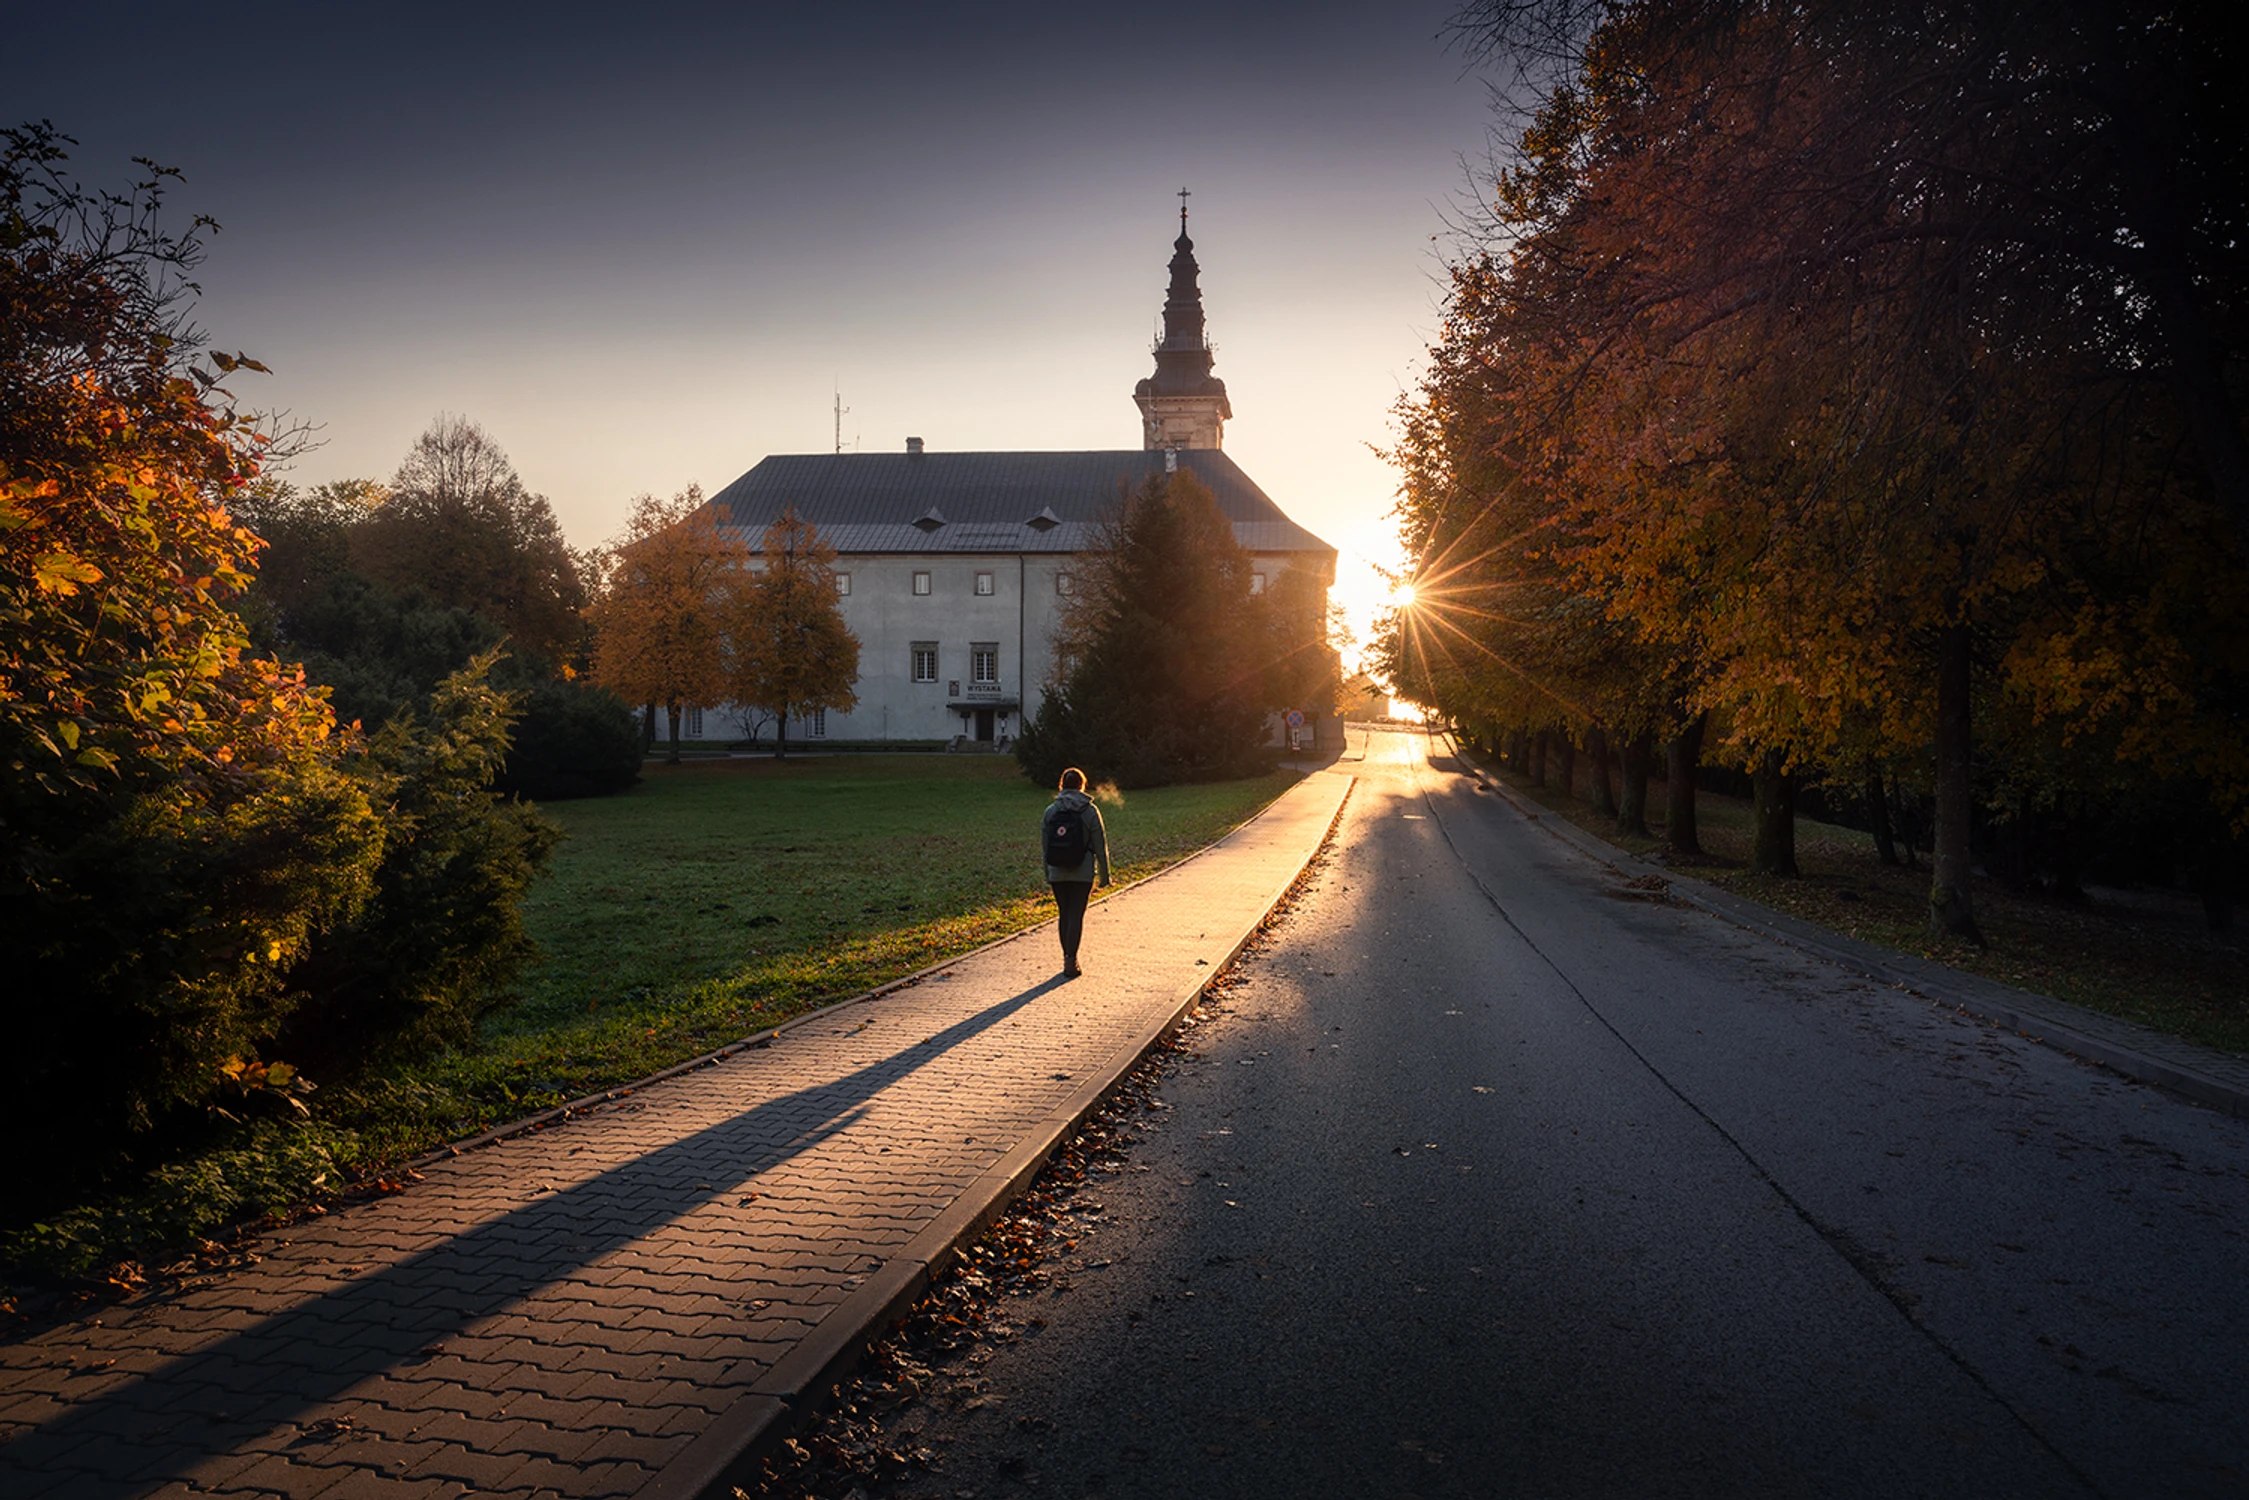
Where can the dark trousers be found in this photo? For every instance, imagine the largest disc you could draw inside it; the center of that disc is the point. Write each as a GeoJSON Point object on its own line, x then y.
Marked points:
{"type": "Point", "coordinates": [1071, 896]}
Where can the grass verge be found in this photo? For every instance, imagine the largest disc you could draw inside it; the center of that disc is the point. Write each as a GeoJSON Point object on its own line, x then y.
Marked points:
{"type": "Point", "coordinates": [2145, 956]}
{"type": "Point", "coordinates": [712, 901]}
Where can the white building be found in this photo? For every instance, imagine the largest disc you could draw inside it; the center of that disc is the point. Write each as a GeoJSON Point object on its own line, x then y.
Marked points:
{"type": "Point", "coordinates": [953, 567]}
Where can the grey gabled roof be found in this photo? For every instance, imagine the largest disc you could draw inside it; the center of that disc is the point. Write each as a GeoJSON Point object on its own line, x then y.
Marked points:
{"type": "Point", "coordinates": [883, 502]}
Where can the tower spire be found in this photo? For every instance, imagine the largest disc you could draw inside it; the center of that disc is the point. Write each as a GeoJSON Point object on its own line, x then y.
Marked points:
{"type": "Point", "coordinates": [1183, 405]}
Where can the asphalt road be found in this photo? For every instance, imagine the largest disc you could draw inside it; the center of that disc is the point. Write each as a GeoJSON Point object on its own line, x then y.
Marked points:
{"type": "Point", "coordinates": [1493, 1179]}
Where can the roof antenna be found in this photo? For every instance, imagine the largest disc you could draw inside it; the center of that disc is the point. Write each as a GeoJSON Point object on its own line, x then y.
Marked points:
{"type": "Point", "coordinates": [840, 410]}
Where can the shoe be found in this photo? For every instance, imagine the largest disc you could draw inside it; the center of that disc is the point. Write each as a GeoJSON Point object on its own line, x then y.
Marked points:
{"type": "Point", "coordinates": [1070, 969]}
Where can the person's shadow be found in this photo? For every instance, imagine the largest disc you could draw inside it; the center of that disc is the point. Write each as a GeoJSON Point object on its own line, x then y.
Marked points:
{"type": "Point", "coordinates": [228, 1393]}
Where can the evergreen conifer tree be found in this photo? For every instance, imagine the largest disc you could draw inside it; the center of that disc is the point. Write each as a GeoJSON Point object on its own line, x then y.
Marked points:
{"type": "Point", "coordinates": [1166, 665]}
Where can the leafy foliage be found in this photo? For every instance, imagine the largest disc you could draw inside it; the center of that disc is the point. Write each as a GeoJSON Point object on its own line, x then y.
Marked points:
{"type": "Point", "coordinates": [662, 612]}
{"type": "Point", "coordinates": [383, 650]}
{"type": "Point", "coordinates": [1850, 375]}
{"type": "Point", "coordinates": [787, 647]}
{"type": "Point", "coordinates": [177, 825]}
{"type": "Point", "coordinates": [460, 527]}
{"type": "Point", "coordinates": [440, 935]}
{"type": "Point", "coordinates": [573, 740]}
{"type": "Point", "coordinates": [265, 1168]}
{"type": "Point", "coordinates": [194, 862]}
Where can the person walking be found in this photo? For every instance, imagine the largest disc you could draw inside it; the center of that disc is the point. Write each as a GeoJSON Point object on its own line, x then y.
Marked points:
{"type": "Point", "coordinates": [1076, 849]}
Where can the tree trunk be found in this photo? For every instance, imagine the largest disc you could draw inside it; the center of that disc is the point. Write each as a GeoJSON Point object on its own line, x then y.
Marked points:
{"type": "Point", "coordinates": [1597, 758]}
{"type": "Point", "coordinates": [1518, 758]}
{"type": "Point", "coordinates": [673, 709]}
{"type": "Point", "coordinates": [781, 732]}
{"type": "Point", "coordinates": [1952, 907]}
{"type": "Point", "coordinates": [1775, 850]}
{"type": "Point", "coordinates": [1910, 827]}
{"type": "Point", "coordinates": [1538, 758]}
{"type": "Point", "coordinates": [1632, 810]}
{"type": "Point", "coordinates": [1681, 834]}
{"type": "Point", "coordinates": [1878, 812]}
{"type": "Point", "coordinates": [648, 729]}
{"type": "Point", "coordinates": [1565, 761]}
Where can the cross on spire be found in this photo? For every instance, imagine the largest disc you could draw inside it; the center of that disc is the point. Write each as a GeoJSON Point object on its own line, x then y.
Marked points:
{"type": "Point", "coordinates": [1183, 210]}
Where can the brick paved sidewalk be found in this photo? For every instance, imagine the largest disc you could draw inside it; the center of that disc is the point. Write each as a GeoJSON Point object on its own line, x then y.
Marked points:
{"type": "Point", "coordinates": [616, 1304]}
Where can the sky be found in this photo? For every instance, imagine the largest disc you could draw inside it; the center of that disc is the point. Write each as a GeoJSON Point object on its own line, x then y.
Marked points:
{"type": "Point", "coordinates": [646, 246]}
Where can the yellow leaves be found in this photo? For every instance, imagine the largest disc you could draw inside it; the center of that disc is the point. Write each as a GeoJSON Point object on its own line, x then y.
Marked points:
{"type": "Point", "coordinates": [15, 513]}
{"type": "Point", "coordinates": [62, 573]}
{"type": "Point", "coordinates": [278, 1083]}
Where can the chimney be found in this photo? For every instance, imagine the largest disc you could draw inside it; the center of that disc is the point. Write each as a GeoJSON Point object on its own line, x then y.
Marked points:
{"type": "Point", "coordinates": [913, 446]}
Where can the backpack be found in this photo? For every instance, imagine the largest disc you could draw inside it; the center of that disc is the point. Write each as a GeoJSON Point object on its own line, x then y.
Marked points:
{"type": "Point", "coordinates": [1062, 834]}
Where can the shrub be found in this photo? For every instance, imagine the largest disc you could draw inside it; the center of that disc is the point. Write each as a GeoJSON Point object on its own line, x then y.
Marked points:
{"type": "Point", "coordinates": [435, 945]}
{"type": "Point", "coordinates": [574, 740]}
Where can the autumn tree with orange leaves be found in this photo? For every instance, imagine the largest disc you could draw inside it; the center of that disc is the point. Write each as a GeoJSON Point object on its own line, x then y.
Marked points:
{"type": "Point", "coordinates": [196, 867]}
{"type": "Point", "coordinates": [175, 823]}
{"type": "Point", "coordinates": [787, 647]}
{"type": "Point", "coordinates": [1861, 366]}
{"type": "Point", "coordinates": [666, 604]}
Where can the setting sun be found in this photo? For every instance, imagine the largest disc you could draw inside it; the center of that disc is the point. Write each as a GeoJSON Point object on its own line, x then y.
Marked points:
{"type": "Point", "coordinates": [1402, 596]}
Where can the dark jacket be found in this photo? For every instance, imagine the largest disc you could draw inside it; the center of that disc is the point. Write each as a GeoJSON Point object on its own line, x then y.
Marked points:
{"type": "Point", "coordinates": [1097, 841]}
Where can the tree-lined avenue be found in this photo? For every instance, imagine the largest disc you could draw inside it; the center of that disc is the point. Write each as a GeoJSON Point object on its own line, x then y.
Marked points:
{"type": "Point", "coordinates": [1493, 1178]}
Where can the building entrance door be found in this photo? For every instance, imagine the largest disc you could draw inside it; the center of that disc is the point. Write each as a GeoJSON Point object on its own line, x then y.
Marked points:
{"type": "Point", "coordinates": [983, 724]}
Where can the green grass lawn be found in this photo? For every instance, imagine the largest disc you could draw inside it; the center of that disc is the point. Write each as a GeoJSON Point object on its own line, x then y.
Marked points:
{"type": "Point", "coordinates": [2146, 956]}
{"type": "Point", "coordinates": [719, 898]}
{"type": "Point", "coordinates": [712, 901]}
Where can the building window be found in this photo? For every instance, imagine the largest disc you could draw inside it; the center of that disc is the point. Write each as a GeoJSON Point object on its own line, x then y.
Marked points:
{"type": "Point", "coordinates": [1257, 583]}
{"type": "Point", "coordinates": [925, 661]}
{"type": "Point", "coordinates": [921, 583]}
{"type": "Point", "coordinates": [984, 663]}
{"type": "Point", "coordinates": [694, 723]}
{"type": "Point", "coordinates": [843, 583]}
{"type": "Point", "coordinates": [1065, 585]}
{"type": "Point", "coordinates": [816, 722]}
{"type": "Point", "coordinates": [983, 583]}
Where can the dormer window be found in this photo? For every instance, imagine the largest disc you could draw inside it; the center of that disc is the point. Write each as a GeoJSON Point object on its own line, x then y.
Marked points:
{"type": "Point", "coordinates": [1045, 520]}
{"type": "Point", "coordinates": [930, 519]}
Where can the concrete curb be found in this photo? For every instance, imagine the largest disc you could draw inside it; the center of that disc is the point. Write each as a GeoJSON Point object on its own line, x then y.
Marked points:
{"type": "Point", "coordinates": [2137, 1052]}
{"type": "Point", "coordinates": [726, 1453]}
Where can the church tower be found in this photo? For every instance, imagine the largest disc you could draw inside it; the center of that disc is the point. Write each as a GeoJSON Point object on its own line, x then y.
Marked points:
{"type": "Point", "coordinates": [1183, 405]}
